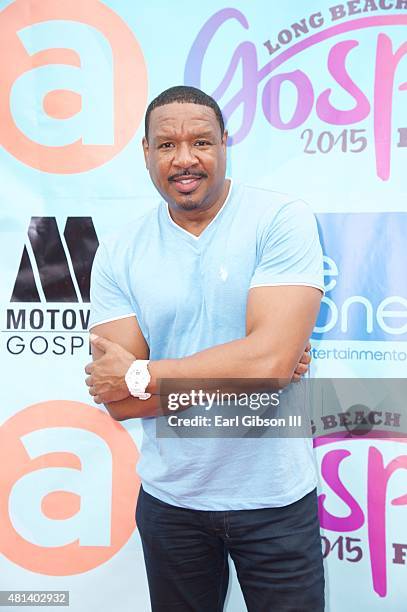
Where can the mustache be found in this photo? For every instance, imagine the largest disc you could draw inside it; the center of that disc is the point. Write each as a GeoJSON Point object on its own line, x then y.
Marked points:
{"type": "Point", "coordinates": [188, 174]}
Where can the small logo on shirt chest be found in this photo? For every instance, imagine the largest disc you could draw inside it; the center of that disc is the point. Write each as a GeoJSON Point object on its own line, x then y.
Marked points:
{"type": "Point", "coordinates": [223, 273]}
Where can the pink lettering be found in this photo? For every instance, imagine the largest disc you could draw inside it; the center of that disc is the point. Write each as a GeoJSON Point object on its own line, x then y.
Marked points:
{"type": "Point", "coordinates": [336, 66]}
{"type": "Point", "coordinates": [386, 65]}
{"type": "Point", "coordinates": [271, 99]}
{"type": "Point", "coordinates": [244, 61]}
{"type": "Point", "coordinates": [378, 478]}
{"type": "Point", "coordinates": [330, 472]}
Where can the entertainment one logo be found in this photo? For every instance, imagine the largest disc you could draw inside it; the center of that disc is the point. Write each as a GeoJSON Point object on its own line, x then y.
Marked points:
{"type": "Point", "coordinates": [49, 304]}
{"type": "Point", "coordinates": [75, 91]}
{"type": "Point", "coordinates": [365, 280]}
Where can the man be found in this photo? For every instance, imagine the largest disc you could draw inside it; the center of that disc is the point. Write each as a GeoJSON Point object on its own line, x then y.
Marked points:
{"type": "Point", "coordinates": [219, 281]}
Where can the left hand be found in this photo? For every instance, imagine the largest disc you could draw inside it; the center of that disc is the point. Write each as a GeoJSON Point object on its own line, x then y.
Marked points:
{"type": "Point", "coordinates": [303, 364]}
{"type": "Point", "coordinates": [106, 375]}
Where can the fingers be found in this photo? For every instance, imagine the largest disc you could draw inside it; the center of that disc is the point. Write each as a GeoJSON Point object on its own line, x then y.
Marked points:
{"type": "Point", "coordinates": [101, 343]}
{"type": "Point", "coordinates": [303, 365]}
{"type": "Point", "coordinates": [89, 381]}
{"type": "Point", "coordinates": [89, 368]}
{"type": "Point", "coordinates": [96, 398]}
{"type": "Point", "coordinates": [301, 369]}
{"type": "Point", "coordinates": [98, 394]}
{"type": "Point", "coordinates": [305, 358]}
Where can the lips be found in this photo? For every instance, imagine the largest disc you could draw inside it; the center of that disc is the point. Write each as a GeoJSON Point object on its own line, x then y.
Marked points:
{"type": "Point", "coordinates": [187, 184]}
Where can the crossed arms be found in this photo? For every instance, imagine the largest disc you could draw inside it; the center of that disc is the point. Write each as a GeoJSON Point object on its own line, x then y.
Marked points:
{"type": "Point", "coordinates": [279, 321]}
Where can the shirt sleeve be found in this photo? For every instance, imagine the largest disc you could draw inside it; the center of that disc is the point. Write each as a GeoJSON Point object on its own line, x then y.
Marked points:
{"type": "Point", "coordinates": [289, 249]}
{"type": "Point", "coordinates": [108, 302]}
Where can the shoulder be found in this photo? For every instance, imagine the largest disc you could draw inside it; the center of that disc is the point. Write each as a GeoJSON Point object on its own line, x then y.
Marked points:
{"type": "Point", "coordinates": [262, 197]}
{"type": "Point", "coordinates": [122, 243]}
{"type": "Point", "coordinates": [274, 208]}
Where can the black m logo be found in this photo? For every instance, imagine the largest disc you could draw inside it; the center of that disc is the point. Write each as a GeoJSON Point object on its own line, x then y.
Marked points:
{"type": "Point", "coordinates": [51, 261]}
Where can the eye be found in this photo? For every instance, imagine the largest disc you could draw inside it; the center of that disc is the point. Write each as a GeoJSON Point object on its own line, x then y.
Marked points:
{"type": "Point", "coordinates": [166, 145]}
{"type": "Point", "coordinates": [202, 143]}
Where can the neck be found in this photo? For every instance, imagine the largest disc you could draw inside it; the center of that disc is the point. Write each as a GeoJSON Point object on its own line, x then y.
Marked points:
{"type": "Point", "coordinates": [195, 221]}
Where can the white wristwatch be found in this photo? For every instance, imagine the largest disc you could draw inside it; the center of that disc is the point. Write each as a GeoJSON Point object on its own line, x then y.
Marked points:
{"type": "Point", "coordinates": [137, 378]}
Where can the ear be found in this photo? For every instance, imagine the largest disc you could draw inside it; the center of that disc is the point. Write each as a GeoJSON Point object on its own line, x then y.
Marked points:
{"type": "Point", "coordinates": [144, 143]}
{"type": "Point", "coordinates": [224, 139]}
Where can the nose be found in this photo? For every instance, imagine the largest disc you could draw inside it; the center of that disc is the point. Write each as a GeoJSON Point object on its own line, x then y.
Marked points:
{"type": "Point", "coordinates": [184, 156]}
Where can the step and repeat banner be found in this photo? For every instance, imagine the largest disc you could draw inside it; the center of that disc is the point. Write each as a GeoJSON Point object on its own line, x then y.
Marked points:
{"type": "Point", "coordinates": [315, 97]}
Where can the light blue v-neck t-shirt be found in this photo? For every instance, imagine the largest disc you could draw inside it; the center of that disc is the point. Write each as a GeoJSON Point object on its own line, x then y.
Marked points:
{"type": "Point", "coordinates": [189, 293]}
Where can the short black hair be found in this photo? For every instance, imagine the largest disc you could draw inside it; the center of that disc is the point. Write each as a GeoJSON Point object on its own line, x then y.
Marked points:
{"type": "Point", "coordinates": [183, 94]}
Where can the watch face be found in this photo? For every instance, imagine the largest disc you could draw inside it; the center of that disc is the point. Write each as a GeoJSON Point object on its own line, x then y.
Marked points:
{"type": "Point", "coordinates": [137, 378]}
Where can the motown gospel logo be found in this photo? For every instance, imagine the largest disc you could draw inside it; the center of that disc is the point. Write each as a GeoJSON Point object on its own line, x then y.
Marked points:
{"type": "Point", "coordinates": [54, 271]}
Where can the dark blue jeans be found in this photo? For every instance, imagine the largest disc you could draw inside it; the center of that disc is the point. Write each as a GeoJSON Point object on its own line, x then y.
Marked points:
{"type": "Point", "coordinates": [276, 552]}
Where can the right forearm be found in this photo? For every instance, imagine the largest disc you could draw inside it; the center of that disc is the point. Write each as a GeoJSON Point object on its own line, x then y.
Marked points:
{"type": "Point", "coordinates": [132, 407]}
